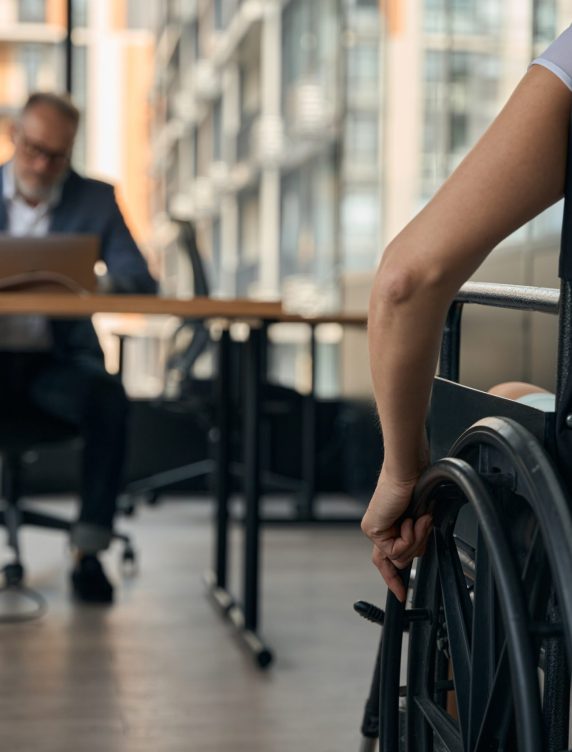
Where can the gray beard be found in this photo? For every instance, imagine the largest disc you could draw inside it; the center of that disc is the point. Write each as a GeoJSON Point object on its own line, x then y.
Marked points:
{"type": "Point", "coordinates": [37, 195]}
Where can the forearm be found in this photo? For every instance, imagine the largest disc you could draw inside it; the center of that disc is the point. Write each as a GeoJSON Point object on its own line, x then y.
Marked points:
{"type": "Point", "coordinates": [402, 357]}
{"type": "Point", "coordinates": [514, 172]}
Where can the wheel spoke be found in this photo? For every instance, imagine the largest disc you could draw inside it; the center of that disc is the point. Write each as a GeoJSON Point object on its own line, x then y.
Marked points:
{"type": "Point", "coordinates": [497, 717]}
{"type": "Point", "coordinates": [483, 656]}
{"type": "Point", "coordinates": [458, 616]}
{"type": "Point", "coordinates": [441, 723]}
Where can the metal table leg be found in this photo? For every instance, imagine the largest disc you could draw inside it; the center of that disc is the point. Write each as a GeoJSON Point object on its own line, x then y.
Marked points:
{"type": "Point", "coordinates": [246, 618]}
{"type": "Point", "coordinates": [216, 579]}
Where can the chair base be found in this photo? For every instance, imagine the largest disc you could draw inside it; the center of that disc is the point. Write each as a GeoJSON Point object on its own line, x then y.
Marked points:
{"type": "Point", "coordinates": [12, 517]}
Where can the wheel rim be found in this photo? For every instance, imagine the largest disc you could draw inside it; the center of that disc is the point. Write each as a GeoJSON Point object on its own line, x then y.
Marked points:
{"type": "Point", "coordinates": [512, 573]}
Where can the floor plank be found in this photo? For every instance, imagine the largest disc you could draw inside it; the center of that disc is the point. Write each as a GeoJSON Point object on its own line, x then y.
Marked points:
{"type": "Point", "coordinates": [161, 672]}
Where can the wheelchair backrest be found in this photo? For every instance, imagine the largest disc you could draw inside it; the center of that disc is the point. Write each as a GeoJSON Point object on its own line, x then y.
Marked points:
{"type": "Point", "coordinates": [563, 423]}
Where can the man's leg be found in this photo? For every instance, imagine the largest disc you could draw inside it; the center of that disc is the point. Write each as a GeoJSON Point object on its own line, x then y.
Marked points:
{"type": "Point", "coordinates": [84, 394]}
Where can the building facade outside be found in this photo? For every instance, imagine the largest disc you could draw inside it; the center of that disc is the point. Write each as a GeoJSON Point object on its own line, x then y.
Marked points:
{"type": "Point", "coordinates": [267, 131]}
{"type": "Point", "coordinates": [301, 135]}
{"type": "Point", "coordinates": [298, 135]}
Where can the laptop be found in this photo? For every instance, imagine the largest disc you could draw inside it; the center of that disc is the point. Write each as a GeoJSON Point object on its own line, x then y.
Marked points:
{"type": "Point", "coordinates": [53, 263]}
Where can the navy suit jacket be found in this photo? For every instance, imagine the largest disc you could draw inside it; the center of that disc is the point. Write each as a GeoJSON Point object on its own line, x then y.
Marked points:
{"type": "Point", "coordinates": [89, 206]}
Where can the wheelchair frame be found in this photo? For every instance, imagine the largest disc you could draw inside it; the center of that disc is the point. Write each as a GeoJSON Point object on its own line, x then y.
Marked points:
{"type": "Point", "coordinates": [518, 536]}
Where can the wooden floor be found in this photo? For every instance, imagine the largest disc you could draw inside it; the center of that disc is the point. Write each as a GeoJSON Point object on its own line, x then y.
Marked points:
{"type": "Point", "coordinates": [161, 672]}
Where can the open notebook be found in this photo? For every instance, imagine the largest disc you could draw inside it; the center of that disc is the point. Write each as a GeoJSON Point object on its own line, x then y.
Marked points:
{"type": "Point", "coordinates": [53, 263]}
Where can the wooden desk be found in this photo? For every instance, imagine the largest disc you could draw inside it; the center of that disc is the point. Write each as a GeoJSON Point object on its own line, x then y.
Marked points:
{"type": "Point", "coordinates": [63, 305]}
{"type": "Point", "coordinates": [259, 314]}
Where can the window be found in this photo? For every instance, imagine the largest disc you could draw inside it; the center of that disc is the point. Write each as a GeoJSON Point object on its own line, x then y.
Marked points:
{"type": "Point", "coordinates": [217, 131]}
{"type": "Point", "coordinates": [308, 219]}
{"type": "Point", "coordinates": [224, 11]}
{"type": "Point", "coordinates": [362, 63]}
{"type": "Point", "coordinates": [544, 21]}
{"type": "Point", "coordinates": [79, 10]}
{"type": "Point", "coordinates": [361, 137]}
{"type": "Point", "coordinates": [359, 227]}
{"type": "Point", "coordinates": [32, 11]}
{"type": "Point", "coordinates": [31, 58]}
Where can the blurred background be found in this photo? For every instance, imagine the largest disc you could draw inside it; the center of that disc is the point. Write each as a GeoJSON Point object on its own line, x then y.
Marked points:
{"type": "Point", "coordinates": [298, 136]}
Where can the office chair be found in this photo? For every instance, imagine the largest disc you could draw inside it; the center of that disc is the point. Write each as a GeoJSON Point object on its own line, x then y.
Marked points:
{"type": "Point", "coordinates": [31, 430]}
{"type": "Point", "coordinates": [184, 393]}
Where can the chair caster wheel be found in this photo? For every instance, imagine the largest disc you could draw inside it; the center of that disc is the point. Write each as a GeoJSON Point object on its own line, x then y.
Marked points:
{"type": "Point", "coordinates": [152, 499]}
{"type": "Point", "coordinates": [13, 574]}
{"type": "Point", "coordinates": [129, 560]}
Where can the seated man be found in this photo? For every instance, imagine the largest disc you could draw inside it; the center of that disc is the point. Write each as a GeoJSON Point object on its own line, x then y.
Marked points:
{"type": "Point", "coordinates": [57, 365]}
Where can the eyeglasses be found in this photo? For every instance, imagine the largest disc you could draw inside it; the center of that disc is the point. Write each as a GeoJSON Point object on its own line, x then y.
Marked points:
{"type": "Point", "coordinates": [33, 150]}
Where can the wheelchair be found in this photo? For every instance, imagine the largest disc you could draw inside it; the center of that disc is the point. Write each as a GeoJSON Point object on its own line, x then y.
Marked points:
{"type": "Point", "coordinates": [478, 658]}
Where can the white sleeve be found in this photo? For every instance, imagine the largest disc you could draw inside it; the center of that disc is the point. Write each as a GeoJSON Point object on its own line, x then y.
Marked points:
{"type": "Point", "coordinates": [558, 57]}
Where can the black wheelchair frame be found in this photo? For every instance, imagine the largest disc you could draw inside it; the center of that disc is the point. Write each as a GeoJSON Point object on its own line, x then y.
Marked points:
{"type": "Point", "coordinates": [488, 616]}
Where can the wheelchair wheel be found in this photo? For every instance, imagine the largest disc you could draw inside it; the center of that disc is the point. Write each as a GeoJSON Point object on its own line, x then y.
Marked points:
{"type": "Point", "coordinates": [491, 617]}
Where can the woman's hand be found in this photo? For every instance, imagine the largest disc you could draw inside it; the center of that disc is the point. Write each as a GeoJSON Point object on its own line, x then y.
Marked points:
{"type": "Point", "coordinates": [396, 542]}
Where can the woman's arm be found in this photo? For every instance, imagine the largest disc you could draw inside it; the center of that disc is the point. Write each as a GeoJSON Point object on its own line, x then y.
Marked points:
{"type": "Point", "coordinates": [514, 172]}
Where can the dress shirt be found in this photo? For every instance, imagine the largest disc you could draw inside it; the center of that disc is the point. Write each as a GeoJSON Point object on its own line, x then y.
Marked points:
{"type": "Point", "coordinates": [26, 332]}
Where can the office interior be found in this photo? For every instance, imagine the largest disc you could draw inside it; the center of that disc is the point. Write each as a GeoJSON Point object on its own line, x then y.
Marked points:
{"type": "Point", "coordinates": [263, 150]}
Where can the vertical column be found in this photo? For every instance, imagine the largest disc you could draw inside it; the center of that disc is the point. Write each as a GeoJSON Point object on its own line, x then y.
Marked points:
{"type": "Point", "coordinates": [104, 94]}
{"type": "Point", "coordinates": [269, 217]}
{"type": "Point", "coordinates": [515, 45]}
{"type": "Point", "coordinates": [270, 144]}
{"type": "Point", "coordinates": [229, 245]}
{"type": "Point", "coordinates": [229, 204]}
{"type": "Point", "coordinates": [402, 111]}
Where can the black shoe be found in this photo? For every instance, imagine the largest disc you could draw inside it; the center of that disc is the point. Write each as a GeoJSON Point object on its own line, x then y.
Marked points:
{"type": "Point", "coordinates": [89, 581]}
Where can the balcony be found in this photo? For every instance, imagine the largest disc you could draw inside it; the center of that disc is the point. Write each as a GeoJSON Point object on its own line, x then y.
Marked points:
{"type": "Point", "coordinates": [207, 82]}
{"type": "Point", "coordinates": [244, 138]}
{"type": "Point", "coordinates": [310, 112]}
{"type": "Point", "coordinates": [202, 198]}
{"type": "Point", "coordinates": [261, 140]}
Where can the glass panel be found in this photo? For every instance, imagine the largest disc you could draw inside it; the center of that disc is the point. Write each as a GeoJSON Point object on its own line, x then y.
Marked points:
{"type": "Point", "coordinates": [141, 15]}
{"type": "Point", "coordinates": [31, 59]}
{"type": "Point", "coordinates": [544, 28]}
{"type": "Point", "coordinates": [224, 11]}
{"type": "Point", "coordinates": [32, 11]}
{"type": "Point", "coordinates": [361, 137]}
{"type": "Point", "coordinates": [359, 228]}
{"type": "Point", "coordinates": [79, 88]}
{"type": "Point", "coordinates": [80, 17]}
{"type": "Point", "coordinates": [308, 223]}
{"type": "Point", "coordinates": [217, 131]}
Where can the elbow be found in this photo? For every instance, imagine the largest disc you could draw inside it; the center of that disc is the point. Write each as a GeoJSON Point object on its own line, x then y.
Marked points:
{"type": "Point", "coordinates": [395, 284]}
{"type": "Point", "coordinates": [403, 279]}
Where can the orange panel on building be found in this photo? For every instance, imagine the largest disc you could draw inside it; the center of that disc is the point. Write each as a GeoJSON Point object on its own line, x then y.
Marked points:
{"type": "Point", "coordinates": [118, 14]}
{"type": "Point", "coordinates": [394, 12]}
{"type": "Point", "coordinates": [56, 13]}
{"type": "Point", "coordinates": [135, 185]}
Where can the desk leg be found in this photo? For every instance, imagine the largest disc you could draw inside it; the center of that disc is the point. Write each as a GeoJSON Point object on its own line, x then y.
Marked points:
{"type": "Point", "coordinates": [246, 619]}
{"type": "Point", "coordinates": [217, 579]}
{"type": "Point", "coordinates": [309, 418]}
{"type": "Point", "coordinates": [252, 479]}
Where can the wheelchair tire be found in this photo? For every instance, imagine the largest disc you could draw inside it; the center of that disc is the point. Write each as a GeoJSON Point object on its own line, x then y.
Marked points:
{"type": "Point", "coordinates": [485, 615]}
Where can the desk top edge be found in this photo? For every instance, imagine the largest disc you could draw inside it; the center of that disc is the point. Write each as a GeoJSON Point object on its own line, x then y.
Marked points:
{"type": "Point", "coordinates": [55, 304]}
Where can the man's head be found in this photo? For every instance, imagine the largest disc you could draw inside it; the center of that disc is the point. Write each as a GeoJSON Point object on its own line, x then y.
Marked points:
{"type": "Point", "coordinates": [43, 138]}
